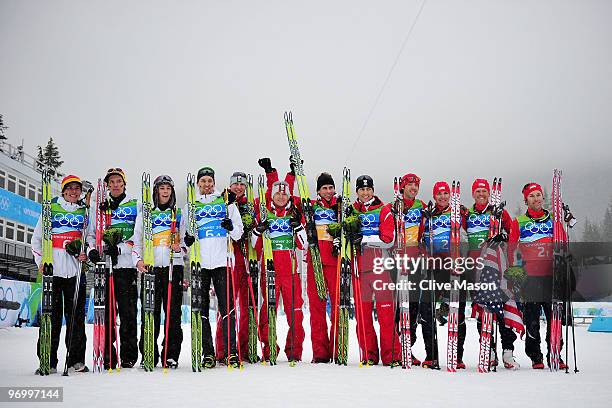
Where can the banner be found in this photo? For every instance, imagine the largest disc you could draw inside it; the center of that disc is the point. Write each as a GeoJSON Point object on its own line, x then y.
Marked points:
{"type": "Point", "coordinates": [19, 209]}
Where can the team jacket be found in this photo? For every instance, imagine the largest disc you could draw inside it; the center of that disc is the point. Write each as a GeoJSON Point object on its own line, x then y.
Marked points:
{"type": "Point", "coordinates": [210, 211]}
{"type": "Point", "coordinates": [532, 235]}
{"type": "Point", "coordinates": [124, 219]}
{"type": "Point", "coordinates": [67, 222]}
{"type": "Point", "coordinates": [161, 222]}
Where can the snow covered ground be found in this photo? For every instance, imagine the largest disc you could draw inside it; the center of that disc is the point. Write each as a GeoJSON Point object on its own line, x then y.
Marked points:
{"type": "Point", "coordinates": [316, 385]}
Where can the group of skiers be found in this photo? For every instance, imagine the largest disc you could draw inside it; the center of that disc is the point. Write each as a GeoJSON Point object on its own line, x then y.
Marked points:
{"type": "Point", "coordinates": [224, 213]}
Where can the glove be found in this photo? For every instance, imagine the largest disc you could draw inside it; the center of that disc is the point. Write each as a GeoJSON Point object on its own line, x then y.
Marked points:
{"type": "Point", "coordinates": [189, 239]}
{"type": "Point", "coordinates": [464, 211]}
{"type": "Point", "coordinates": [292, 163]}
{"type": "Point", "coordinates": [227, 224]}
{"type": "Point", "coordinates": [427, 212]}
{"type": "Point", "coordinates": [396, 207]}
{"type": "Point", "coordinates": [94, 256]}
{"type": "Point", "coordinates": [74, 248]}
{"type": "Point", "coordinates": [266, 164]}
{"type": "Point", "coordinates": [356, 238]}
{"type": "Point", "coordinates": [231, 197]}
{"type": "Point", "coordinates": [262, 226]}
{"type": "Point", "coordinates": [103, 206]}
{"type": "Point", "coordinates": [296, 219]}
{"type": "Point", "coordinates": [336, 246]}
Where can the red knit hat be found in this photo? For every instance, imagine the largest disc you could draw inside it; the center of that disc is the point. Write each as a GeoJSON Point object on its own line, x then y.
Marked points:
{"type": "Point", "coordinates": [70, 179]}
{"type": "Point", "coordinates": [409, 178]}
{"type": "Point", "coordinates": [440, 187]}
{"type": "Point", "coordinates": [530, 187]}
{"type": "Point", "coordinates": [480, 183]}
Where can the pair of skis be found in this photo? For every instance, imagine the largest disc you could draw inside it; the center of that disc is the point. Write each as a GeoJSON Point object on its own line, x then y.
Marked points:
{"type": "Point", "coordinates": [47, 278]}
{"type": "Point", "coordinates": [307, 208]}
{"type": "Point", "coordinates": [104, 292]}
{"type": "Point", "coordinates": [252, 267]}
{"type": "Point", "coordinates": [563, 220]}
{"type": "Point", "coordinates": [403, 293]}
{"type": "Point", "coordinates": [148, 278]}
{"type": "Point", "coordinates": [196, 279]}
{"type": "Point", "coordinates": [488, 318]}
{"type": "Point", "coordinates": [268, 265]}
{"type": "Point", "coordinates": [453, 313]}
{"type": "Point", "coordinates": [343, 277]}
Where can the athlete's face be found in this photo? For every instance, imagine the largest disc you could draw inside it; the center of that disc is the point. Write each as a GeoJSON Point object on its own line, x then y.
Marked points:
{"type": "Point", "coordinates": [365, 194]}
{"type": "Point", "coordinates": [410, 191]}
{"type": "Point", "coordinates": [280, 199]}
{"type": "Point", "coordinates": [327, 192]}
{"type": "Point", "coordinates": [164, 192]}
{"type": "Point", "coordinates": [481, 196]}
{"type": "Point", "coordinates": [72, 192]}
{"type": "Point", "coordinates": [535, 200]}
{"type": "Point", "coordinates": [116, 185]}
{"type": "Point", "coordinates": [238, 189]}
{"type": "Point", "coordinates": [206, 184]}
{"type": "Point", "coordinates": [442, 199]}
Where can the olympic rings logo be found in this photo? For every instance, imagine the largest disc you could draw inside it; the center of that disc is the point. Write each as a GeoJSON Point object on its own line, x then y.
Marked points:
{"type": "Point", "coordinates": [210, 211]}
{"type": "Point", "coordinates": [538, 227]}
{"type": "Point", "coordinates": [481, 220]}
{"type": "Point", "coordinates": [441, 222]}
{"type": "Point", "coordinates": [122, 212]}
{"type": "Point", "coordinates": [74, 220]}
{"type": "Point", "coordinates": [161, 219]}
{"type": "Point", "coordinates": [367, 219]}
{"type": "Point", "coordinates": [412, 216]}
{"type": "Point", "coordinates": [280, 225]}
{"type": "Point", "coordinates": [325, 214]}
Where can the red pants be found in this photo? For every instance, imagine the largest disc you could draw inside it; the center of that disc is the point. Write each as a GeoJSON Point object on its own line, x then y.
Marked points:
{"type": "Point", "coordinates": [385, 309]}
{"type": "Point", "coordinates": [241, 282]}
{"type": "Point", "coordinates": [323, 345]}
{"type": "Point", "coordinates": [283, 288]}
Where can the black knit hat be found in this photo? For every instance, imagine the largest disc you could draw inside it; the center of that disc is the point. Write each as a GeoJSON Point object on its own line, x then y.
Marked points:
{"type": "Point", "coordinates": [325, 179]}
{"type": "Point", "coordinates": [364, 181]}
{"type": "Point", "coordinates": [206, 171]}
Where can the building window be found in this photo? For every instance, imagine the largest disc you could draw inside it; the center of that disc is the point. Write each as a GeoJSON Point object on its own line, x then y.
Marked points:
{"type": "Point", "coordinates": [21, 233]}
{"type": "Point", "coordinates": [30, 233]}
{"type": "Point", "coordinates": [12, 184]}
{"type": "Point", "coordinates": [2, 179]}
{"type": "Point", "coordinates": [1, 228]}
{"type": "Point", "coordinates": [9, 231]}
{"type": "Point", "coordinates": [32, 193]}
{"type": "Point", "coordinates": [22, 188]}
{"type": "Point", "coordinates": [40, 195]}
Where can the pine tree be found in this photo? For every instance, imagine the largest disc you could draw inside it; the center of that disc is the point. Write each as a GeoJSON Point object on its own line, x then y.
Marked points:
{"type": "Point", "coordinates": [591, 232]}
{"type": "Point", "coordinates": [50, 157]}
{"type": "Point", "coordinates": [606, 225]}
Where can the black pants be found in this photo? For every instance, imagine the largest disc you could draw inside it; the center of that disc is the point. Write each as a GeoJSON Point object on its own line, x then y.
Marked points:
{"type": "Point", "coordinates": [175, 332]}
{"type": "Point", "coordinates": [126, 297]}
{"type": "Point", "coordinates": [219, 281]}
{"type": "Point", "coordinates": [538, 293]}
{"type": "Point", "coordinates": [425, 310]}
{"type": "Point", "coordinates": [63, 294]}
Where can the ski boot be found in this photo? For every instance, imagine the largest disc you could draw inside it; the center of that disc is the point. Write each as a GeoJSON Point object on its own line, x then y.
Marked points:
{"type": "Point", "coordinates": [209, 362]}
{"type": "Point", "coordinates": [232, 361]}
{"type": "Point", "coordinates": [510, 362]}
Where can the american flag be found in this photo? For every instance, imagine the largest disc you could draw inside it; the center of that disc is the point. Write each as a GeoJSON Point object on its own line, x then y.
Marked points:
{"type": "Point", "coordinates": [499, 301]}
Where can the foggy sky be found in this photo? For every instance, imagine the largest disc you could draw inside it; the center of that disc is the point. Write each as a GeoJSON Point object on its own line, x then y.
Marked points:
{"type": "Point", "coordinates": [482, 89]}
